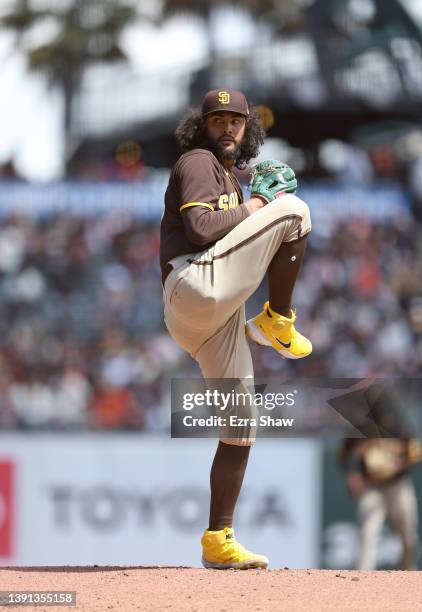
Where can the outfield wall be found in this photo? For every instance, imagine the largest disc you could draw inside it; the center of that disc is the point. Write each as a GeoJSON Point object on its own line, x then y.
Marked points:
{"type": "Point", "coordinates": [129, 499]}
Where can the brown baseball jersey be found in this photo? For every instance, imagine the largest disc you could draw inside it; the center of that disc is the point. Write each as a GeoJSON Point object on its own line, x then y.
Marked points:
{"type": "Point", "coordinates": [203, 202]}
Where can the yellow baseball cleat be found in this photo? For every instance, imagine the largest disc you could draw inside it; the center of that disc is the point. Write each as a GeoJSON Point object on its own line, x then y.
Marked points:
{"type": "Point", "coordinates": [221, 551]}
{"type": "Point", "coordinates": [271, 329]}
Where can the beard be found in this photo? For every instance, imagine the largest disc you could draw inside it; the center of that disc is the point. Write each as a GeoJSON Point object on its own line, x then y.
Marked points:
{"type": "Point", "coordinates": [221, 152]}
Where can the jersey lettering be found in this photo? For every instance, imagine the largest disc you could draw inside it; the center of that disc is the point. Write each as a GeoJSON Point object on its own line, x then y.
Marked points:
{"type": "Point", "coordinates": [228, 201]}
{"type": "Point", "coordinates": [223, 202]}
{"type": "Point", "coordinates": [233, 200]}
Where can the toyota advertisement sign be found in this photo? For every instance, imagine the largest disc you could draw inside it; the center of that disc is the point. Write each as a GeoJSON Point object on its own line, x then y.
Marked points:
{"type": "Point", "coordinates": [133, 500]}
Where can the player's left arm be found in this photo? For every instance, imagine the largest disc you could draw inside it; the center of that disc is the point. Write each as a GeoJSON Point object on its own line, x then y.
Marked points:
{"type": "Point", "coordinates": [205, 225]}
{"type": "Point", "coordinates": [199, 189]}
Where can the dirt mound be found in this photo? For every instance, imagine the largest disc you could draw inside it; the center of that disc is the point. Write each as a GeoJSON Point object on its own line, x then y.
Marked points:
{"type": "Point", "coordinates": [181, 588]}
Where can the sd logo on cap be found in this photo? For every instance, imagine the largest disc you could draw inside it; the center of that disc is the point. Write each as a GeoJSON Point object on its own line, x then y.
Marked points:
{"type": "Point", "coordinates": [225, 100]}
{"type": "Point", "coordinates": [224, 97]}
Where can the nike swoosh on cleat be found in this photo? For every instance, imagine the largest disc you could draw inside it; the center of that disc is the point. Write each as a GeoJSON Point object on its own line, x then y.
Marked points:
{"type": "Point", "coordinates": [284, 344]}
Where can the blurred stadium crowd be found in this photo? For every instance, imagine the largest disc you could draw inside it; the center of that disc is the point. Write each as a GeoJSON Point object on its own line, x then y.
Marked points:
{"type": "Point", "coordinates": [82, 338]}
{"type": "Point", "coordinates": [339, 88]}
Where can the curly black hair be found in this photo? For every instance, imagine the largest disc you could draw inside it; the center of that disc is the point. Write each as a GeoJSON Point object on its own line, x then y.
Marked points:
{"type": "Point", "coordinates": [191, 134]}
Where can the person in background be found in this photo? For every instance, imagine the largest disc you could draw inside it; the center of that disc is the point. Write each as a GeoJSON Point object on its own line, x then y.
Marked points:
{"type": "Point", "coordinates": [377, 476]}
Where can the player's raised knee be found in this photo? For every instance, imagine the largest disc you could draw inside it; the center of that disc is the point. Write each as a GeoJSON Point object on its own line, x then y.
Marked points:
{"type": "Point", "coordinates": [304, 211]}
{"type": "Point", "coordinates": [289, 204]}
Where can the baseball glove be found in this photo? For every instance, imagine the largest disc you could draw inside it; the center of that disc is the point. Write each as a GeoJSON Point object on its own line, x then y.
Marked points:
{"type": "Point", "coordinates": [271, 178]}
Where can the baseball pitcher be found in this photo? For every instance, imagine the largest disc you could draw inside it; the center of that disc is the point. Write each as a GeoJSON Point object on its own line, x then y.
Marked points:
{"type": "Point", "coordinates": [215, 251]}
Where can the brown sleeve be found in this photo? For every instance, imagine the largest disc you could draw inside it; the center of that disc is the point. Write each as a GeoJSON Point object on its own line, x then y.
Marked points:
{"type": "Point", "coordinates": [199, 187]}
{"type": "Point", "coordinates": [197, 179]}
{"type": "Point", "coordinates": [203, 225]}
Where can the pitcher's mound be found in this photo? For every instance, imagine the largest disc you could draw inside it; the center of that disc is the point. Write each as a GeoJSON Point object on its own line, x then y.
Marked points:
{"type": "Point", "coordinates": [177, 589]}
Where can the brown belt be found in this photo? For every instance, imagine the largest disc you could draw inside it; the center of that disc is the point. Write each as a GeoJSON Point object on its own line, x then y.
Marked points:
{"type": "Point", "coordinates": [166, 271]}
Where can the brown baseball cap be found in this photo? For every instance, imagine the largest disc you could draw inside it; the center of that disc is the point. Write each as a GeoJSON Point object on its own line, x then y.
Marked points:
{"type": "Point", "coordinates": [225, 100]}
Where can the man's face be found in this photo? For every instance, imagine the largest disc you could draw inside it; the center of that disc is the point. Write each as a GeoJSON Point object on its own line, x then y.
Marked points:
{"type": "Point", "coordinates": [226, 131]}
